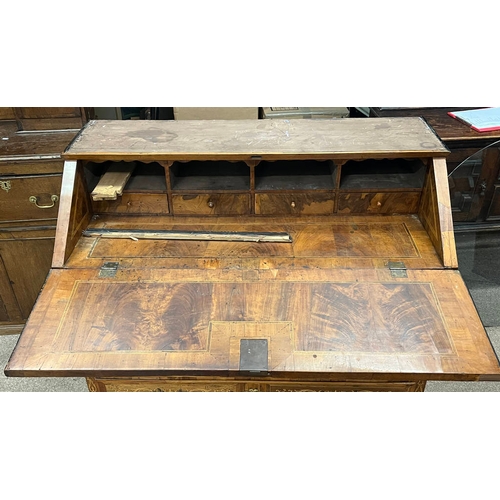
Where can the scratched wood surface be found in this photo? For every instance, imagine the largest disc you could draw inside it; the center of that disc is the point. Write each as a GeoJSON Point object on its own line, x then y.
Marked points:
{"type": "Point", "coordinates": [29, 145]}
{"type": "Point", "coordinates": [336, 321]}
{"type": "Point", "coordinates": [354, 241]}
{"type": "Point", "coordinates": [435, 213]}
{"type": "Point", "coordinates": [244, 139]}
{"type": "Point", "coordinates": [326, 303]}
{"type": "Point", "coordinates": [232, 384]}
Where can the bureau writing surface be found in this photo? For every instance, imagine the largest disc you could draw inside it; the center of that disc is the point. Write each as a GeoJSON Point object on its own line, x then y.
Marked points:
{"type": "Point", "coordinates": [365, 296]}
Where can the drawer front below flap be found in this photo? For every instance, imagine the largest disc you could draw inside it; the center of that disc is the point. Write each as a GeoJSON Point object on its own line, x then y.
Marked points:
{"type": "Point", "coordinates": [379, 203]}
{"type": "Point", "coordinates": [208, 204]}
{"type": "Point", "coordinates": [294, 203]}
{"type": "Point", "coordinates": [134, 203]}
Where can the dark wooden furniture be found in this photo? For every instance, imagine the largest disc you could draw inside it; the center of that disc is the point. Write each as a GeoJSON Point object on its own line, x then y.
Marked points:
{"type": "Point", "coordinates": [30, 180]}
{"type": "Point", "coordinates": [475, 187]}
{"type": "Point", "coordinates": [358, 288]}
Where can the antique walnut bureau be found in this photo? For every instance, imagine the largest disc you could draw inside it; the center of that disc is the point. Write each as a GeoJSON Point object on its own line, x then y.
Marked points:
{"type": "Point", "coordinates": [255, 256]}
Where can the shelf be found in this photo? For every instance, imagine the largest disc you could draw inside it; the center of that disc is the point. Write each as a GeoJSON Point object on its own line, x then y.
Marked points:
{"type": "Point", "coordinates": [210, 176]}
{"type": "Point", "coordinates": [382, 174]}
{"type": "Point", "coordinates": [146, 177]}
{"type": "Point", "coordinates": [295, 175]}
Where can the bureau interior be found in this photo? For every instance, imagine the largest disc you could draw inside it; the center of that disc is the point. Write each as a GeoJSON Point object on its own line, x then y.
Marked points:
{"type": "Point", "coordinates": [379, 209]}
{"type": "Point", "coordinates": [311, 176]}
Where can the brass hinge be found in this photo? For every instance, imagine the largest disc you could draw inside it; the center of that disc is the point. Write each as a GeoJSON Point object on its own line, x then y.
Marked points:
{"type": "Point", "coordinates": [398, 269]}
{"type": "Point", "coordinates": [108, 270]}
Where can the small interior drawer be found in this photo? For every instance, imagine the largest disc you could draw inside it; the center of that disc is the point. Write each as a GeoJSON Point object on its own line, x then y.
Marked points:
{"type": "Point", "coordinates": [134, 203]}
{"type": "Point", "coordinates": [294, 203]}
{"type": "Point", "coordinates": [29, 197]}
{"type": "Point", "coordinates": [208, 204]}
{"type": "Point", "coordinates": [379, 203]}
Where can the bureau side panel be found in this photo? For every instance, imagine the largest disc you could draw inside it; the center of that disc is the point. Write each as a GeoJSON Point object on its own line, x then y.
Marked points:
{"type": "Point", "coordinates": [435, 213]}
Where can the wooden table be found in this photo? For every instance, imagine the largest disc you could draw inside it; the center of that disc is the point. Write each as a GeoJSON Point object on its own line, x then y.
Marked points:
{"type": "Point", "coordinates": [352, 286]}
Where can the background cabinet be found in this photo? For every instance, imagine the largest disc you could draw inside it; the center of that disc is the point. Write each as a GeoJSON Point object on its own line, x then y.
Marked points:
{"type": "Point", "coordinates": [32, 141]}
{"type": "Point", "coordinates": [473, 174]}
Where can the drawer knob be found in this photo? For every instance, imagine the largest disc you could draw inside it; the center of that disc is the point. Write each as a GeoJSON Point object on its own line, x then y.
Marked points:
{"type": "Point", "coordinates": [211, 204]}
{"type": "Point", "coordinates": [379, 204]}
{"type": "Point", "coordinates": [292, 204]}
{"type": "Point", "coordinates": [34, 200]}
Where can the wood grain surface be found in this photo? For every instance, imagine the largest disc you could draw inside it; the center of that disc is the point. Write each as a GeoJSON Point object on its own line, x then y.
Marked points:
{"type": "Point", "coordinates": [35, 144]}
{"type": "Point", "coordinates": [247, 139]}
{"type": "Point", "coordinates": [355, 241]}
{"type": "Point", "coordinates": [15, 203]}
{"type": "Point", "coordinates": [435, 213]}
{"type": "Point", "coordinates": [228, 384]}
{"type": "Point", "coordinates": [158, 322]}
{"type": "Point", "coordinates": [328, 308]}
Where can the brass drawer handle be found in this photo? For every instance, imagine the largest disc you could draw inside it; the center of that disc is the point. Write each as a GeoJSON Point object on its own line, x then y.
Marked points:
{"type": "Point", "coordinates": [292, 204]}
{"type": "Point", "coordinates": [211, 204]}
{"type": "Point", "coordinates": [54, 198]}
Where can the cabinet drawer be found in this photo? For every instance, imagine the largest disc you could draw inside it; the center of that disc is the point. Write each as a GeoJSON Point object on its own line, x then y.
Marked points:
{"type": "Point", "coordinates": [30, 168]}
{"type": "Point", "coordinates": [134, 203]}
{"type": "Point", "coordinates": [25, 257]}
{"type": "Point", "coordinates": [379, 203]}
{"type": "Point", "coordinates": [50, 118]}
{"type": "Point", "coordinates": [159, 384]}
{"type": "Point", "coordinates": [348, 387]}
{"type": "Point", "coordinates": [207, 204]}
{"type": "Point", "coordinates": [7, 114]}
{"type": "Point", "coordinates": [16, 193]}
{"type": "Point", "coordinates": [294, 203]}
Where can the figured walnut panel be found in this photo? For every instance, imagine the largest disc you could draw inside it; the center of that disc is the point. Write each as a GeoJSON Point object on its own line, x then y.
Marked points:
{"type": "Point", "coordinates": [407, 314]}
{"type": "Point", "coordinates": [162, 317]}
{"type": "Point", "coordinates": [211, 204]}
{"type": "Point", "coordinates": [379, 203]}
{"type": "Point", "coordinates": [294, 203]}
{"type": "Point", "coordinates": [134, 203]}
{"type": "Point", "coordinates": [329, 322]}
{"type": "Point", "coordinates": [316, 240]}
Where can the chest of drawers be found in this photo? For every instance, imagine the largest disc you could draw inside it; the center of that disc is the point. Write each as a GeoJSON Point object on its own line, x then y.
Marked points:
{"type": "Point", "coordinates": [31, 169]}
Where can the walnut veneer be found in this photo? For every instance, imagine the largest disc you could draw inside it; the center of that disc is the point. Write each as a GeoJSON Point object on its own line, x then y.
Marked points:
{"type": "Point", "coordinates": [365, 296]}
